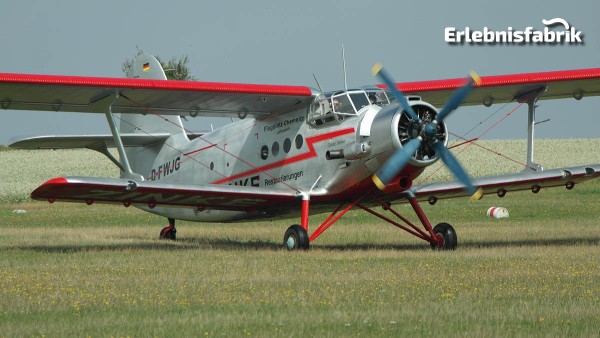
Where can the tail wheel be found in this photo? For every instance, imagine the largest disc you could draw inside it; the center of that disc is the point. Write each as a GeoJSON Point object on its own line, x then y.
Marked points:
{"type": "Point", "coordinates": [445, 232]}
{"type": "Point", "coordinates": [168, 233]}
{"type": "Point", "coordinates": [296, 238]}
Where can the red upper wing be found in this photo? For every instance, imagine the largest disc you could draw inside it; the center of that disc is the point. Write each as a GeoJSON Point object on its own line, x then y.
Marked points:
{"type": "Point", "coordinates": [75, 93]}
{"type": "Point", "coordinates": [504, 88]}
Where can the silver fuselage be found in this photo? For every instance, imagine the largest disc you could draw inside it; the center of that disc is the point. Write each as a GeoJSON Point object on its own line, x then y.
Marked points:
{"type": "Point", "coordinates": [329, 156]}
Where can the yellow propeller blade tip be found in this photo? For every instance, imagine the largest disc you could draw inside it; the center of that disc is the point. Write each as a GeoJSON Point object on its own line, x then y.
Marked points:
{"type": "Point", "coordinates": [376, 68]}
{"type": "Point", "coordinates": [477, 195]}
{"type": "Point", "coordinates": [475, 77]}
{"type": "Point", "coordinates": [378, 182]}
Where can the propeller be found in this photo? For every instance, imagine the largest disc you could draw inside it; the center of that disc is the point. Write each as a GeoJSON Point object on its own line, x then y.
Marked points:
{"type": "Point", "coordinates": [428, 130]}
{"type": "Point", "coordinates": [383, 76]}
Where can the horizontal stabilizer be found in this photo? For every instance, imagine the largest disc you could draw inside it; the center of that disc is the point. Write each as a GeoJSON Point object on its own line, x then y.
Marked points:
{"type": "Point", "coordinates": [89, 141]}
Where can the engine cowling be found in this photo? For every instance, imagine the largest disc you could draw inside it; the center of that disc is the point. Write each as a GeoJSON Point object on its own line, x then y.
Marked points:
{"type": "Point", "coordinates": [404, 129]}
{"type": "Point", "coordinates": [393, 127]}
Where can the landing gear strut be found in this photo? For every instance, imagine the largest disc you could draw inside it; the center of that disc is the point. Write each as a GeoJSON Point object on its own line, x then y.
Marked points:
{"type": "Point", "coordinates": [170, 231]}
{"type": "Point", "coordinates": [440, 237]}
{"type": "Point", "coordinates": [296, 236]}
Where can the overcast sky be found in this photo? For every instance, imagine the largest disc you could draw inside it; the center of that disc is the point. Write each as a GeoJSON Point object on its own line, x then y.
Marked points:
{"type": "Point", "coordinates": [279, 42]}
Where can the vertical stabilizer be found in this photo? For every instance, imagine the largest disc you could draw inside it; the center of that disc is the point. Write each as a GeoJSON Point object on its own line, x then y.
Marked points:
{"type": "Point", "coordinates": [146, 66]}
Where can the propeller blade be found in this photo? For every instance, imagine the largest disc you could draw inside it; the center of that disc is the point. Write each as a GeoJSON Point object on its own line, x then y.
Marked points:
{"type": "Point", "coordinates": [382, 75]}
{"type": "Point", "coordinates": [457, 170]}
{"type": "Point", "coordinates": [458, 97]}
{"type": "Point", "coordinates": [396, 163]}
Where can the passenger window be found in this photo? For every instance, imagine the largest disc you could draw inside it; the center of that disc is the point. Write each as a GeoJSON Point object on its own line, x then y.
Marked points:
{"type": "Point", "coordinates": [299, 141]}
{"type": "Point", "coordinates": [264, 152]}
{"type": "Point", "coordinates": [287, 145]}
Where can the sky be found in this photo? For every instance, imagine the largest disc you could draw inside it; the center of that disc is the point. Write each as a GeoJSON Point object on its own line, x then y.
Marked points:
{"type": "Point", "coordinates": [285, 42]}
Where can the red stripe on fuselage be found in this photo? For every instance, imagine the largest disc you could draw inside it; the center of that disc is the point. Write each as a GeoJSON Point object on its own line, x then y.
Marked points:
{"type": "Point", "coordinates": [310, 141]}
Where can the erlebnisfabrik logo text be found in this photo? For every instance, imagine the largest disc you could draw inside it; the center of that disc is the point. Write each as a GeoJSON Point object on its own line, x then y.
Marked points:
{"type": "Point", "coordinates": [551, 34]}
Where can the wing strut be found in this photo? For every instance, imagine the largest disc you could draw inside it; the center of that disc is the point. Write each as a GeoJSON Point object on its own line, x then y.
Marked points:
{"type": "Point", "coordinates": [104, 105]}
{"type": "Point", "coordinates": [531, 98]}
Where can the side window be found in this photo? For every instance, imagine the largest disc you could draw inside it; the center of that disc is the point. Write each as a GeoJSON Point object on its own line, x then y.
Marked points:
{"type": "Point", "coordinates": [320, 112]}
{"type": "Point", "coordinates": [287, 145]}
{"type": "Point", "coordinates": [299, 141]}
{"type": "Point", "coordinates": [264, 152]}
{"type": "Point", "coordinates": [342, 105]}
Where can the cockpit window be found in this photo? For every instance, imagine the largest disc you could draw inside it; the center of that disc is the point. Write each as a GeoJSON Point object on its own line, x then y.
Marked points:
{"type": "Point", "coordinates": [342, 105]}
{"type": "Point", "coordinates": [360, 100]}
{"type": "Point", "coordinates": [335, 107]}
{"type": "Point", "coordinates": [321, 111]}
{"type": "Point", "coordinates": [379, 97]}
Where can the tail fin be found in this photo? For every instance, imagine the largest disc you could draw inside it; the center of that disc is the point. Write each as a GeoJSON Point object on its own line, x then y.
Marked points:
{"type": "Point", "coordinates": [146, 66]}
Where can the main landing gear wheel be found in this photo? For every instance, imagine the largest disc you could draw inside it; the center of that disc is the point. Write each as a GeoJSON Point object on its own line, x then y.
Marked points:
{"type": "Point", "coordinates": [169, 233]}
{"type": "Point", "coordinates": [295, 238]}
{"type": "Point", "coordinates": [445, 232]}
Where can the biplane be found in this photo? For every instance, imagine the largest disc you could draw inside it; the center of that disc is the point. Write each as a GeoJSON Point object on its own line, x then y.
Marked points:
{"type": "Point", "coordinates": [291, 151]}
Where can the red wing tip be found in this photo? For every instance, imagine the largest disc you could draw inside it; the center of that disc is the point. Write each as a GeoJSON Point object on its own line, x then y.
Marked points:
{"type": "Point", "coordinates": [41, 192]}
{"type": "Point", "coordinates": [58, 180]}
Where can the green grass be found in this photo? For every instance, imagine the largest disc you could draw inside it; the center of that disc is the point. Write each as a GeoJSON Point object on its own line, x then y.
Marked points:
{"type": "Point", "coordinates": [75, 270]}
{"type": "Point", "coordinates": [78, 270]}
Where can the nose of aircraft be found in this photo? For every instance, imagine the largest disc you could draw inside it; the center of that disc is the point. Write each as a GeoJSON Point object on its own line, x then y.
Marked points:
{"type": "Point", "coordinates": [426, 134]}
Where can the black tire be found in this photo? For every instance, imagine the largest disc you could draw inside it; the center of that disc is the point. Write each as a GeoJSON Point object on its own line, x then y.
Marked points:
{"type": "Point", "coordinates": [445, 231]}
{"type": "Point", "coordinates": [168, 234]}
{"type": "Point", "coordinates": [295, 238]}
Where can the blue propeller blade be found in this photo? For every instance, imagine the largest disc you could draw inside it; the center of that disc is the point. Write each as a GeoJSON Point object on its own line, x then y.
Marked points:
{"type": "Point", "coordinates": [400, 158]}
{"type": "Point", "coordinates": [396, 163]}
{"type": "Point", "coordinates": [382, 75]}
{"type": "Point", "coordinates": [457, 170]}
{"type": "Point", "coordinates": [458, 97]}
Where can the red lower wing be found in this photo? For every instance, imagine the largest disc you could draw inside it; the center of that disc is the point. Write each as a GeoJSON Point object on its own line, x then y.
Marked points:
{"type": "Point", "coordinates": [500, 185]}
{"type": "Point", "coordinates": [152, 194]}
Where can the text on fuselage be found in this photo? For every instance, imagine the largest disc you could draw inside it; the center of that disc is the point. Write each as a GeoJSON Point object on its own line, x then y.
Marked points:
{"type": "Point", "coordinates": [164, 170]}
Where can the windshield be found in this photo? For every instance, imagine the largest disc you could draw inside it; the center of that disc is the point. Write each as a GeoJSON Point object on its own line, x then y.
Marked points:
{"type": "Point", "coordinates": [334, 107]}
{"type": "Point", "coordinates": [379, 97]}
{"type": "Point", "coordinates": [349, 103]}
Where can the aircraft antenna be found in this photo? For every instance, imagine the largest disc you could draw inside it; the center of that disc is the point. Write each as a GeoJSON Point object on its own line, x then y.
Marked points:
{"type": "Point", "coordinates": [318, 85]}
{"type": "Point", "coordinates": [344, 62]}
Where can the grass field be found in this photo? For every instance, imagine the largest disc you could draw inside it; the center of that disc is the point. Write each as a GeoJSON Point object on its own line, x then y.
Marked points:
{"type": "Point", "coordinates": [76, 270]}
